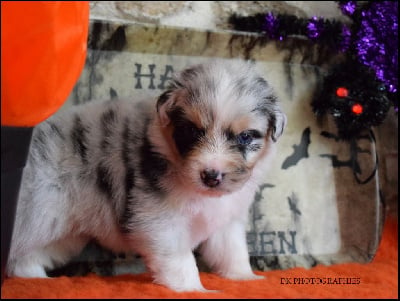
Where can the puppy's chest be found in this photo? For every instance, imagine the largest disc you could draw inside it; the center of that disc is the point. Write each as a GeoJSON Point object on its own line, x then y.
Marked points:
{"type": "Point", "coordinates": [208, 217]}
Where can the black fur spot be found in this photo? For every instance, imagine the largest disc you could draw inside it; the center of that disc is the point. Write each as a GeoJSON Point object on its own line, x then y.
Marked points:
{"type": "Point", "coordinates": [39, 143]}
{"type": "Point", "coordinates": [104, 180]}
{"type": "Point", "coordinates": [190, 73]}
{"type": "Point", "coordinates": [153, 165]}
{"type": "Point", "coordinates": [186, 134]}
{"type": "Point", "coordinates": [255, 134]}
{"type": "Point", "coordinates": [241, 148]}
{"type": "Point", "coordinates": [241, 85]}
{"type": "Point", "coordinates": [272, 125]}
{"type": "Point", "coordinates": [127, 215]}
{"type": "Point", "coordinates": [126, 154]}
{"type": "Point", "coordinates": [79, 139]}
{"type": "Point", "coordinates": [270, 99]}
{"type": "Point", "coordinates": [129, 180]}
{"type": "Point", "coordinates": [230, 135]}
{"type": "Point", "coordinates": [127, 140]}
{"type": "Point", "coordinates": [261, 81]}
{"type": "Point", "coordinates": [176, 115]}
{"type": "Point", "coordinates": [56, 130]}
{"type": "Point", "coordinates": [254, 147]}
{"type": "Point", "coordinates": [163, 98]}
{"type": "Point", "coordinates": [266, 107]}
{"type": "Point", "coordinates": [40, 137]}
{"type": "Point", "coordinates": [108, 120]}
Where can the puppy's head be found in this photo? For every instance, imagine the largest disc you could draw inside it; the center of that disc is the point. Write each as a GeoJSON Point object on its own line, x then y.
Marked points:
{"type": "Point", "coordinates": [218, 120]}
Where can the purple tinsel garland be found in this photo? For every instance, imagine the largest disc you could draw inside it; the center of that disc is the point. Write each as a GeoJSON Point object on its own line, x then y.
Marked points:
{"type": "Point", "coordinates": [315, 28]}
{"type": "Point", "coordinates": [374, 42]}
{"type": "Point", "coordinates": [271, 26]}
{"type": "Point", "coordinates": [346, 39]}
{"type": "Point", "coordinates": [377, 40]}
{"type": "Point", "coordinates": [348, 8]}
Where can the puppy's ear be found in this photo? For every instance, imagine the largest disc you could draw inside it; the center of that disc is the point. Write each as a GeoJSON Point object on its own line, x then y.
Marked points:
{"type": "Point", "coordinates": [277, 123]}
{"type": "Point", "coordinates": [164, 104]}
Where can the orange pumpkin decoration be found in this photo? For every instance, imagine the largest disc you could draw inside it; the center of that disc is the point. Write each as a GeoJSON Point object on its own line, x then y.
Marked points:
{"type": "Point", "coordinates": [43, 51]}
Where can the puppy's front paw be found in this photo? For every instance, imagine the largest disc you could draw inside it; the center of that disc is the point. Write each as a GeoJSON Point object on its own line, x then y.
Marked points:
{"type": "Point", "coordinates": [189, 288]}
{"type": "Point", "coordinates": [204, 290]}
{"type": "Point", "coordinates": [243, 276]}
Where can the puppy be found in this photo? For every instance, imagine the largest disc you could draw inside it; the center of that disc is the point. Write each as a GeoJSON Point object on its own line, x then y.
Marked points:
{"type": "Point", "coordinates": [158, 178]}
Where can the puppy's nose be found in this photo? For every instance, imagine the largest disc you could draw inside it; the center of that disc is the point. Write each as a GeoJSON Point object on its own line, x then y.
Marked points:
{"type": "Point", "coordinates": [211, 177]}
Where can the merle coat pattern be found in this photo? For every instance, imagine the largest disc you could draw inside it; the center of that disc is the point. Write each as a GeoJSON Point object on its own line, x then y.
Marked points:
{"type": "Point", "coordinates": [156, 177]}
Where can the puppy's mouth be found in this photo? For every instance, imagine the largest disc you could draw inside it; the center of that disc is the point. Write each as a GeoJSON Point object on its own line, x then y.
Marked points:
{"type": "Point", "coordinates": [213, 192]}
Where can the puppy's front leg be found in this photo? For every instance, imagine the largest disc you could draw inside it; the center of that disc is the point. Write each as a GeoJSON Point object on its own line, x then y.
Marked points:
{"type": "Point", "coordinates": [227, 254]}
{"type": "Point", "coordinates": [177, 270]}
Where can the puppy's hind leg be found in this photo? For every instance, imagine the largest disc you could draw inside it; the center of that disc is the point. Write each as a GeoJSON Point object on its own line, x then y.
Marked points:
{"type": "Point", "coordinates": [226, 252]}
{"type": "Point", "coordinates": [31, 265]}
{"type": "Point", "coordinates": [35, 263]}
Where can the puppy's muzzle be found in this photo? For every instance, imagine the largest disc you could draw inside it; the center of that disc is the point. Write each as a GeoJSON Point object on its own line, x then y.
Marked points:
{"type": "Point", "coordinates": [211, 177]}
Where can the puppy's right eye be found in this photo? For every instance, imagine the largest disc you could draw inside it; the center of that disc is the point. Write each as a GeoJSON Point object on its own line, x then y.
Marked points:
{"type": "Point", "coordinates": [191, 131]}
{"type": "Point", "coordinates": [186, 135]}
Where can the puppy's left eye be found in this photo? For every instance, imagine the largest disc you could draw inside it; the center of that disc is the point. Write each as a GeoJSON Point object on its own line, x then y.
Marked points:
{"type": "Point", "coordinates": [245, 138]}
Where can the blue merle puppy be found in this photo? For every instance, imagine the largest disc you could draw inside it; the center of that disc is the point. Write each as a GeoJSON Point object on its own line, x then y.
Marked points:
{"type": "Point", "coordinates": [156, 178]}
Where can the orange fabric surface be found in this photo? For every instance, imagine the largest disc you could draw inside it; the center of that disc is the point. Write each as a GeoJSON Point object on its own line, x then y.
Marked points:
{"type": "Point", "coordinates": [378, 279]}
{"type": "Point", "coordinates": [43, 51]}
